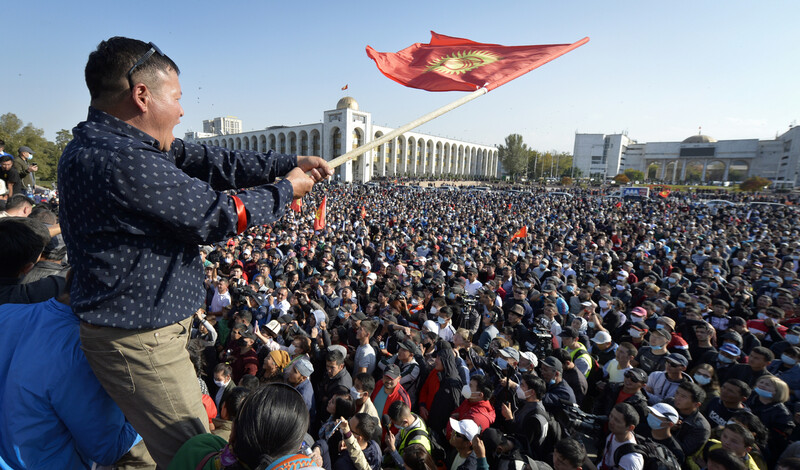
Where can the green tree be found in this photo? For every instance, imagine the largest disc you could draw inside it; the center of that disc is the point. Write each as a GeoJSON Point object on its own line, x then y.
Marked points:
{"type": "Point", "coordinates": [63, 137]}
{"type": "Point", "coordinates": [514, 155]}
{"type": "Point", "coordinates": [754, 183]}
{"type": "Point", "coordinates": [634, 175]}
{"type": "Point", "coordinates": [45, 153]}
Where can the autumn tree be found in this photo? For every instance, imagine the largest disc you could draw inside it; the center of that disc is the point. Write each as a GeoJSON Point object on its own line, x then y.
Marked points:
{"type": "Point", "coordinates": [754, 183]}
{"type": "Point", "coordinates": [622, 178]}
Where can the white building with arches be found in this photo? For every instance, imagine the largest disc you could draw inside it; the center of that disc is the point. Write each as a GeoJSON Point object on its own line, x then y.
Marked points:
{"type": "Point", "coordinates": [698, 158]}
{"type": "Point", "coordinates": [346, 127]}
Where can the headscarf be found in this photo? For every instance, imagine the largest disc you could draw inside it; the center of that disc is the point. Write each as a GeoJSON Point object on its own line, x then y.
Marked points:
{"type": "Point", "coordinates": [281, 358]}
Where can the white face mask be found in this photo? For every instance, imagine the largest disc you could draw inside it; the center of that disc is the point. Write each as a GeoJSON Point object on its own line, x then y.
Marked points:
{"type": "Point", "coordinates": [220, 384]}
{"type": "Point", "coordinates": [603, 304]}
{"type": "Point", "coordinates": [292, 350]}
{"type": "Point", "coordinates": [466, 391]}
{"type": "Point", "coordinates": [434, 310]}
{"type": "Point", "coordinates": [521, 393]}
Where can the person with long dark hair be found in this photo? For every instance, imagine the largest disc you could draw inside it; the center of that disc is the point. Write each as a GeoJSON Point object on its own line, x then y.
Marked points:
{"type": "Point", "coordinates": [267, 433]}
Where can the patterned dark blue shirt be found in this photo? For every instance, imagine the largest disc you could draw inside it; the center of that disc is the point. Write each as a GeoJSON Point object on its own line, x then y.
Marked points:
{"type": "Point", "coordinates": [133, 216]}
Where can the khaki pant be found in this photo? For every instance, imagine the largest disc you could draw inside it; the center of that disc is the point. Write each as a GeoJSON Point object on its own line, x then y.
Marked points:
{"type": "Point", "coordinates": [149, 375]}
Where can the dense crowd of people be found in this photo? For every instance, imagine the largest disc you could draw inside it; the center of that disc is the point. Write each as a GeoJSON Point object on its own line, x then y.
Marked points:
{"type": "Point", "coordinates": [405, 328]}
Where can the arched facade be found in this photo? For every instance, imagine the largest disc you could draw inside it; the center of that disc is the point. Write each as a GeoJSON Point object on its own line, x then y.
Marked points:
{"type": "Point", "coordinates": [347, 127]}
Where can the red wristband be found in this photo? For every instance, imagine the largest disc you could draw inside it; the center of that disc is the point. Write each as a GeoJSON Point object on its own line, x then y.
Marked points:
{"type": "Point", "coordinates": [241, 224]}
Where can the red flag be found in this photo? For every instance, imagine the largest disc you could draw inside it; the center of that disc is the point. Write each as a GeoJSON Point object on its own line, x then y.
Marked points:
{"type": "Point", "coordinates": [297, 205]}
{"type": "Point", "coordinates": [319, 216]}
{"type": "Point", "coordinates": [664, 194]}
{"type": "Point", "coordinates": [345, 87]}
{"type": "Point", "coordinates": [619, 204]}
{"type": "Point", "coordinates": [363, 212]}
{"type": "Point", "coordinates": [521, 233]}
{"type": "Point", "coordinates": [456, 64]}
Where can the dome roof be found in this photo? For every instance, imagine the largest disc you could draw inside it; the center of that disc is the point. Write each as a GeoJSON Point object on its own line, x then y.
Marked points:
{"type": "Point", "coordinates": [347, 102]}
{"type": "Point", "coordinates": [699, 139]}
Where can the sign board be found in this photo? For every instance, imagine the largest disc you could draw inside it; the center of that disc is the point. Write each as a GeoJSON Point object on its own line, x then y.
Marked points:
{"type": "Point", "coordinates": [640, 192]}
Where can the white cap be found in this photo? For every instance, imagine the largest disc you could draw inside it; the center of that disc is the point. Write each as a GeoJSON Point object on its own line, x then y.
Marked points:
{"type": "Point", "coordinates": [530, 357]}
{"type": "Point", "coordinates": [431, 326]}
{"type": "Point", "coordinates": [467, 427]}
{"type": "Point", "coordinates": [274, 327]}
{"type": "Point", "coordinates": [320, 316]}
{"type": "Point", "coordinates": [601, 337]}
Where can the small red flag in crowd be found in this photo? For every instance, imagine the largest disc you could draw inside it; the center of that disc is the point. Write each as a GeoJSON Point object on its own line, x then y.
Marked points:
{"type": "Point", "coordinates": [345, 87]}
{"type": "Point", "coordinates": [619, 204]}
{"type": "Point", "coordinates": [319, 216]}
{"type": "Point", "coordinates": [521, 233]}
{"type": "Point", "coordinates": [456, 64]}
{"type": "Point", "coordinates": [297, 205]}
{"type": "Point", "coordinates": [363, 212]}
{"type": "Point", "coordinates": [664, 194]}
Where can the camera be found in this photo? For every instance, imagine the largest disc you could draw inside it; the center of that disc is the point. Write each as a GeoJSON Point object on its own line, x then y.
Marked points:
{"type": "Point", "coordinates": [581, 421]}
{"type": "Point", "coordinates": [469, 300]}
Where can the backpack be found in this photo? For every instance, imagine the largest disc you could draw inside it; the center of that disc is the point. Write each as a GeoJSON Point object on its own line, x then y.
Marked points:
{"type": "Point", "coordinates": [656, 456]}
{"type": "Point", "coordinates": [541, 448]}
{"type": "Point", "coordinates": [438, 452]}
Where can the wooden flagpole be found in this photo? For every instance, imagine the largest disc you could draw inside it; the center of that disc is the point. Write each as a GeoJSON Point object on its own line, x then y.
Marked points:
{"type": "Point", "coordinates": [355, 153]}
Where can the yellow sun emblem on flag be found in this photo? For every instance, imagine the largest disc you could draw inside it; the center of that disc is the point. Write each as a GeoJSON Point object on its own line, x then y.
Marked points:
{"type": "Point", "coordinates": [462, 62]}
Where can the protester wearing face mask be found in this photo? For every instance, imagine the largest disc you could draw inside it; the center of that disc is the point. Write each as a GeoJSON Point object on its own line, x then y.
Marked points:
{"type": "Point", "coordinates": [652, 358]}
{"type": "Point", "coordinates": [661, 419]}
{"type": "Point", "coordinates": [768, 403]}
{"type": "Point", "coordinates": [223, 382]}
{"type": "Point", "coordinates": [444, 317]}
{"type": "Point", "coordinates": [475, 405]}
{"type": "Point", "coordinates": [551, 370]}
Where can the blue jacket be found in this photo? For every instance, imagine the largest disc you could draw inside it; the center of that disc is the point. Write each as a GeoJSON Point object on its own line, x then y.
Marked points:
{"type": "Point", "coordinates": [55, 413]}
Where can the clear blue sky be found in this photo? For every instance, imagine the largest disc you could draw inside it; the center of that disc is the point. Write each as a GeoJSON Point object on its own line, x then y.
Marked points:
{"type": "Point", "coordinates": [656, 69]}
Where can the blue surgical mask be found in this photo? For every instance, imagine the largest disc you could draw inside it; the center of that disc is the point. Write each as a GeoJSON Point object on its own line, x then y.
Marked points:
{"type": "Point", "coordinates": [793, 339]}
{"type": "Point", "coordinates": [725, 359]}
{"type": "Point", "coordinates": [788, 360]}
{"type": "Point", "coordinates": [701, 379]}
{"type": "Point", "coordinates": [552, 381]}
{"type": "Point", "coordinates": [657, 348]}
{"type": "Point", "coordinates": [501, 363]}
{"type": "Point", "coordinates": [591, 324]}
{"type": "Point", "coordinates": [681, 304]}
{"type": "Point", "coordinates": [701, 305]}
{"type": "Point", "coordinates": [659, 326]}
{"type": "Point", "coordinates": [341, 314]}
{"type": "Point", "coordinates": [763, 393]}
{"type": "Point", "coordinates": [653, 422]}
{"type": "Point", "coordinates": [441, 320]}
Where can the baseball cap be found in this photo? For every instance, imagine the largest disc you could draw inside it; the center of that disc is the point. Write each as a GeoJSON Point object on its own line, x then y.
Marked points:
{"type": "Point", "coordinates": [25, 149]}
{"type": "Point", "coordinates": [663, 410]}
{"type": "Point", "coordinates": [678, 359]}
{"type": "Point", "coordinates": [392, 370]}
{"type": "Point", "coordinates": [637, 375]}
{"type": "Point", "coordinates": [530, 357]}
{"type": "Point", "coordinates": [730, 350]}
{"type": "Point", "coordinates": [667, 321]}
{"type": "Point", "coordinates": [466, 427]}
{"type": "Point", "coordinates": [553, 363]}
{"type": "Point", "coordinates": [431, 326]}
{"type": "Point", "coordinates": [601, 337]}
{"type": "Point", "coordinates": [663, 333]}
{"type": "Point", "coordinates": [638, 312]}
{"type": "Point", "coordinates": [510, 352]}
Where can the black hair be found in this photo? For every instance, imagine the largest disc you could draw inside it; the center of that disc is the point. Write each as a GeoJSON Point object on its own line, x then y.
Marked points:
{"type": "Point", "coordinates": [726, 459]}
{"type": "Point", "coordinates": [397, 410]}
{"type": "Point", "coordinates": [367, 381]}
{"type": "Point", "coordinates": [628, 413]}
{"type": "Point", "coordinates": [744, 389]}
{"type": "Point", "coordinates": [18, 200]}
{"type": "Point", "coordinates": [107, 68]}
{"type": "Point", "coordinates": [483, 386]}
{"type": "Point", "coordinates": [249, 382]}
{"type": "Point", "coordinates": [368, 426]}
{"type": "Point", "coordinates": [335, 356]}
{"type": "Point", "coordinates": [562, 355]}
{"type": "Point", "coordinates": [747, 436]}
{"type": "Point", "coordinates": [571, 450]}
{"type": "Point", "coordinates": [272, 423]}
{"type": "Point", "coordinates": [754, 424]}
{"type": "Point", "coordinates": [766, 352]}
{"type": "Point", "coordinates": [695, 391]}
{"type": "Point", "coordinates": [225, 368]}
{"type": "Point", "coordinates": [43, 214]}
{"type": "Point", "coordinates": [535, 383]}
{"type": "Point", "coordinates": [416, 457]}
{"type": "Point", "coordinates": [235, 399]}
{"type": "Point", "coordinates": [344, 406]}
{"type": "Point", "coordinates": [22, 240]}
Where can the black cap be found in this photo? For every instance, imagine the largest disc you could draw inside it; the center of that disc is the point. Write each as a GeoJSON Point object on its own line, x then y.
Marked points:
{"type": "Point", "coordinates": [392, 370]}
{"type": "Point", "coordinates": [637, 374]}
{"type": "Point", "coordinates": [553, 363]}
